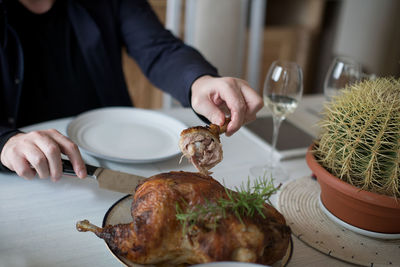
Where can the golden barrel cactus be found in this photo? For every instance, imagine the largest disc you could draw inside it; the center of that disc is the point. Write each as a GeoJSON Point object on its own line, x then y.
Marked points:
{"type": "Point", "coordinates": [359, 140]}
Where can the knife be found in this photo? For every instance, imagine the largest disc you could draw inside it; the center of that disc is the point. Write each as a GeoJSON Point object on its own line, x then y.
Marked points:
{"type": "Point", "coordinates": [106, 178]}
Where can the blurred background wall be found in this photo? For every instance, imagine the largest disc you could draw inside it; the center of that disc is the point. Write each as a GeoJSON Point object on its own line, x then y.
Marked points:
{"type": "Point", "coordinates": [310, 32]}
{"type": "Point", "coordinates": [369, 31]}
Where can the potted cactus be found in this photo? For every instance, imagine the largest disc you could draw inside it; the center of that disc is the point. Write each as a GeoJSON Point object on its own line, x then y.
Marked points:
{"type": "Point", "coordinates": [356, 157]}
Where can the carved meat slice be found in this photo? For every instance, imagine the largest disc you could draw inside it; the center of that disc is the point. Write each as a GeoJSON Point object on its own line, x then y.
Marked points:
{"type": "Point", "coordinates": [201, 145]}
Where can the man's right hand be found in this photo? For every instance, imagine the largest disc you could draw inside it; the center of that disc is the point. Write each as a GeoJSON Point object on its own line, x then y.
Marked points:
{"type": "Point", "coordinates": [39, 152]}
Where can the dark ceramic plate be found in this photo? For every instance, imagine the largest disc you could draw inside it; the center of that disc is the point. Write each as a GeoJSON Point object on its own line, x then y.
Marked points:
{"type": "Point", "coordinates": [120, 212]}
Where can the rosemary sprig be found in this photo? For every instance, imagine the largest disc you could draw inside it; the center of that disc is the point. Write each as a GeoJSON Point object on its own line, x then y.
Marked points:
{"type": "Point", "coordinates": [208, 214]}
{"type": "Point", "coordinates": [248, 200]}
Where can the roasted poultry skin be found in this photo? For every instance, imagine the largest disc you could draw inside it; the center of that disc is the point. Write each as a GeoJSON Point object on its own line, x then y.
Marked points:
{"type": "Point", "coordinates": [201, 145]}
{"type": "Point", "coordinates": [156, 237]}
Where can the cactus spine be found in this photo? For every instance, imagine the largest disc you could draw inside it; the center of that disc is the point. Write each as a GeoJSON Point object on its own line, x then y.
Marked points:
{"type": "Point", "coordinates": [359, 140]}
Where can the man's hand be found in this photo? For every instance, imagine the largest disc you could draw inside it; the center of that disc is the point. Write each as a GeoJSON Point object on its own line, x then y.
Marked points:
{"type": "Point", "coordinates": [39, 152]}
{"type": "Point", "coordinates": [213, 97]}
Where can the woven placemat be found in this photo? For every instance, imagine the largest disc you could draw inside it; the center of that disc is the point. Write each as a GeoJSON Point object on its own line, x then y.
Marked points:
{"type": "Point", "coordinates": [299, 203]}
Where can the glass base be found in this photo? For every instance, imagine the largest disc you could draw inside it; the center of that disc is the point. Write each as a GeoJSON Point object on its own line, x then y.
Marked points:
{"type": "Point", "coordinates": [275, 171]}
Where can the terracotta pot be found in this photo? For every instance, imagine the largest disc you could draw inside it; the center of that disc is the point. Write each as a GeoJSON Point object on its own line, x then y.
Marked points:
{"type": "Point", "coordinates": [360, 208]}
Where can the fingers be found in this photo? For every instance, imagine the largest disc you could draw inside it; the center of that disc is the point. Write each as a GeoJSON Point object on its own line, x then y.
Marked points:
{"type": "Point", "coordinates": [250, 102]}
{"type": "Point", "coordinates": [40, 152]}
{"type": "Point", "coordinates": [70, 149]}
{"type": "Point", "coordinates": [205, 100]}
{"type": "Point", "coordinates": [232, 96]}
{"type": "Point", "coordinates": [47, 156]}
{"type": "Point", "coordinates": [253, 102]}
{"type": "Point", "coordinates": [210, 95]}
{"type": "Point", "coordinates": [22, 168]}
{"type": "Point", "coordinates": [211, 111]}
{"type": "Point", "coordinates": [17, 158]}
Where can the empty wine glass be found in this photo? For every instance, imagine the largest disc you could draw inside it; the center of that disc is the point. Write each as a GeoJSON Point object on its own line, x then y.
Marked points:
{"type": "Point", "coordinates": [343, 71]}
{"type": "Point", "coordinates": [283, 88]}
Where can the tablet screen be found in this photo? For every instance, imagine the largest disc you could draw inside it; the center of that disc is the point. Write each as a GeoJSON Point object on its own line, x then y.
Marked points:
{"type": "Point", "coordinates": [290, 137]}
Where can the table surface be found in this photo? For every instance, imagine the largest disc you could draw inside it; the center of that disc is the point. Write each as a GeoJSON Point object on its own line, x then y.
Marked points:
{"type": "Point", "coordinates": [38, 217]}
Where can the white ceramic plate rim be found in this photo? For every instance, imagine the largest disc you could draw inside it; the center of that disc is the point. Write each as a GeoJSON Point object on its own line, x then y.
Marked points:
{"type": "Point", "coordinates": [157, 122]}
{"type": "Point", "coordinates": [354, 228]}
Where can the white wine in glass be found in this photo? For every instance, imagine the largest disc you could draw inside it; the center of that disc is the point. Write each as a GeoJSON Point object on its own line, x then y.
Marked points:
{"type": "Point", "coordinates": [283, 89]}
{"type": "Point", "coordinates": [280, 105]}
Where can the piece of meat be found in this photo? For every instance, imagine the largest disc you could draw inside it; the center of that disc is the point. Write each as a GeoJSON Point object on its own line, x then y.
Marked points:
{"type": "Point", "coordinates": [202, 146]}
{"type": "Point", "coordinates": [155, 236]}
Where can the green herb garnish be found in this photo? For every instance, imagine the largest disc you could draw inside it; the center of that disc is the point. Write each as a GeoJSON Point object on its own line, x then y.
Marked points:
{"type": "Point", "coordinates": [248, 200]}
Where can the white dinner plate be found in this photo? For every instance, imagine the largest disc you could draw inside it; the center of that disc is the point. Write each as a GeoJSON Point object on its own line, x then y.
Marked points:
{"type": "Point", "coordinates": [126, 134]}
{"type": "Point", "coordinates": [354, 228]}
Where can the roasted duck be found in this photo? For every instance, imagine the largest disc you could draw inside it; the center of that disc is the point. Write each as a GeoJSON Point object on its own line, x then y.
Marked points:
{"type": "Point", "coordinates": [202, 146]}
{"type": "Point", "coordinates": [156, 236]}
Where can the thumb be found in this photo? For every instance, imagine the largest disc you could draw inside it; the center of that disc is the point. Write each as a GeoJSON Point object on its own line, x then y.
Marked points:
{"type": "Point", "coordinates": [211, 111]}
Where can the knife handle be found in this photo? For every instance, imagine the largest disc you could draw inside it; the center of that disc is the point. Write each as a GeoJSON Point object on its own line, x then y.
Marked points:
{"type": "Point", "coordinates": [69, 170]}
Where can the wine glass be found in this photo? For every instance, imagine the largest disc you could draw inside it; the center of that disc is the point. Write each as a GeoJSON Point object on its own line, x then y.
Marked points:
{"type": "Point", "coordinates": [343, 71]}
{"type": "Point", "coordinates": [283, 89]}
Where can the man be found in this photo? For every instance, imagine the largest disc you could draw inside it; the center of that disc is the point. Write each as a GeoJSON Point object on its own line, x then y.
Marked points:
{"type": "Point", "coordinates": [61, 58]}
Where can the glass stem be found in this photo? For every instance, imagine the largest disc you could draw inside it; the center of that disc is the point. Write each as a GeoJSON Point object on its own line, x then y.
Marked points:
{"type": "Point", "coordinates": [277, 124]}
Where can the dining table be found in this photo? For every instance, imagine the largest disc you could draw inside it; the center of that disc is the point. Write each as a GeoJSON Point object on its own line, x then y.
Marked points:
{"type": "Point", "coordinates": [38, 216]}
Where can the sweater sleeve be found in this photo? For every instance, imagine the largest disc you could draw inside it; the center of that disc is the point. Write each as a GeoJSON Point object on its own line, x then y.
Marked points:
{"type": "Point", "coordinates": [168, 63]}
